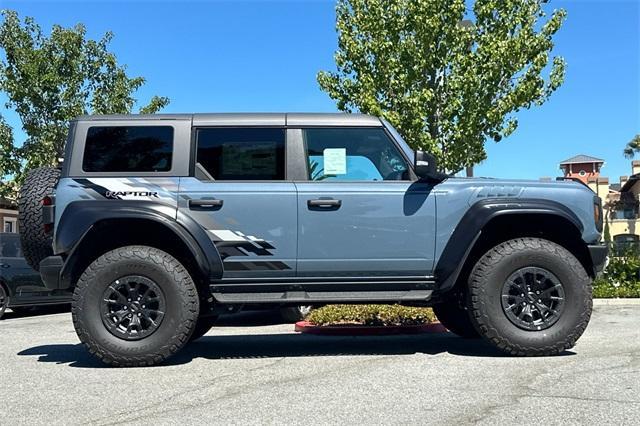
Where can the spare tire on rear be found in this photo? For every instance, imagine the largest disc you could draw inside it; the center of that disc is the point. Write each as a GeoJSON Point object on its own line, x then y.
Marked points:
{"type": "Point", "coordinates": [36, 243]}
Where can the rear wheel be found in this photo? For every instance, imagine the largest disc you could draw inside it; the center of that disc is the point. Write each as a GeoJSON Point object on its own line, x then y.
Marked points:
{"type": "Point", "coordinates": [135, 306]}
{"type": "Point", "coordinates": [36, 242]}
{"type": "Point", "coordinates": [455, 317]}
{"type": "Point", "coordinates": [530, 297]}
{"type": "Point", "coordinates": [295, 313]}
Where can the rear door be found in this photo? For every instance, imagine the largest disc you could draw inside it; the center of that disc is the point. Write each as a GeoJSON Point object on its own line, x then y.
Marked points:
{"type": "Point", "coordinates": [360, 213]}
{"type": "Point", "coordinates": [239, 193]}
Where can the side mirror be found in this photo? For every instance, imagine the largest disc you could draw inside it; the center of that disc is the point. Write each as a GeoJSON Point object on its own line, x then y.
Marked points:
{"type": "Point", "coordinates": [426, 165]}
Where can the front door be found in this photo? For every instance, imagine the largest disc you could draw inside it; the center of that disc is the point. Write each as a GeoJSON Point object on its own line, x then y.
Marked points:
{"type": "Point", "coordinates": [360, 214]}
{"type": "Point", "coordinates": [239, 195]}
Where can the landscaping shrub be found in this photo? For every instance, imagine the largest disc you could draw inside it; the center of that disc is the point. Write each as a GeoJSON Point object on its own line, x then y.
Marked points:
{"type": "Point", "coordinates": [621, 278]}
{"type": "Point", "coordinates": [372, 315]}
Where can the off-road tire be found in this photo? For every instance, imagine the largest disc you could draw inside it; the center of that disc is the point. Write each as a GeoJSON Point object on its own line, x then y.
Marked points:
{"type": "Point", "coordinates": [36, 243]}
{"type": "Point", "coordinates": [4, 300]}
{"type": "Point", "coordinates": [203, 325]}
{"type": "Point", "coordinates": [452, 314]}
{"type": "Point", "coordinates": [180, 293]}
{"type": "Point", "coordinates": [485, 289]}
{"type": "Point", "coordinates": [293, 314]}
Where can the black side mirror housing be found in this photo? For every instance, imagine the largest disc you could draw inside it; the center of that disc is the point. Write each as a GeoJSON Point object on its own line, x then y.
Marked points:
{"type": "Point", "coordinates": [426, 165]}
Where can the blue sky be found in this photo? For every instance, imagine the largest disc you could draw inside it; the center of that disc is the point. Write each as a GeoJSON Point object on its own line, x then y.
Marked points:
{"type": "Point", "coordinates": [211, 56]}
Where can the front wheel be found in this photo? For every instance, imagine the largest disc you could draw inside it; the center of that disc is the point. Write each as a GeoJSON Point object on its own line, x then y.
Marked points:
{"type": "Point", "coordinates": [530, 297]}
{"type": "Point", "coordinates": [135, 306]}
{"type": "Point", "coordinates": [203, 325]}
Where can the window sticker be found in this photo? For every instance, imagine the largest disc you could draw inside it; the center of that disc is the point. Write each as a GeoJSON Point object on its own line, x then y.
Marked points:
{"type": "Point", "coordinates": [335, 161]}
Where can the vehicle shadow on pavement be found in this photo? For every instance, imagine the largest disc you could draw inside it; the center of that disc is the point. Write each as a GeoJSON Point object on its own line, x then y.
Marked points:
{"type": "Point", "coordinates": [287, 345]}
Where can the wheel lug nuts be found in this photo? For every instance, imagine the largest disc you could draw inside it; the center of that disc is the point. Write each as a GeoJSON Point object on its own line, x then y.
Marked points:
{"type": "Point", "coordinates": [125, 308]}
{"type": "Point", "coordinates": [539, 301]}
{"type": "Point", "coordinates": [139, 314]}
{"type": "Point", "coordinates": [143, 307]}
{"type": "Point", "coordinates": [129, 300]}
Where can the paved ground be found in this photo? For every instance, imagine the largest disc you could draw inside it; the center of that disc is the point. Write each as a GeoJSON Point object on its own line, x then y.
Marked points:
{"type": "Point", "coordinates": [267, 374]}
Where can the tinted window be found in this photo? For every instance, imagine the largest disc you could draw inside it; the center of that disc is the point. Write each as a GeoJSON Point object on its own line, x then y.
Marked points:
{"type": "Point", "coordinates": [364, 154]}
{"type": "Point", "coordinates": [128, 149]}
{"type": "Point", "coordinates": [242, 154]}
{"type": "Point", "coordinates": [10, 245]}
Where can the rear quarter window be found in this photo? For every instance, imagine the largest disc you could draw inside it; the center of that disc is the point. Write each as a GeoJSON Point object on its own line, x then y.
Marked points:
{"type": "Point", "coordinates": [128, 149]}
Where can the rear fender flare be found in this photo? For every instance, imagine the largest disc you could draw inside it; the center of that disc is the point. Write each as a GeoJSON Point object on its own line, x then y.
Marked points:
{"type": "Point", "coordinates": [81, 216]}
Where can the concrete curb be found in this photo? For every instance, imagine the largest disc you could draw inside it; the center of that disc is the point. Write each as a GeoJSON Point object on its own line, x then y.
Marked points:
{"type": "Point", "coordinates": [618, 302]}
{"type": "Point", "coordinates": [361, 330]}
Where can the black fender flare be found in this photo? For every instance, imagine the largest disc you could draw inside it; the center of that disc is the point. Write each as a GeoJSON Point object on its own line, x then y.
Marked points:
{"type": "Point", "coordinates": [79, 218]}
{"type": "Point", "coordinates": [469, 229]}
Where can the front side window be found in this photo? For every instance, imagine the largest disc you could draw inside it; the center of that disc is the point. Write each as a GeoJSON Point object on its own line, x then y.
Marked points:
{"type": "Point", "coordinates": [353, 154]}
{"type": "Point", "coordinates": [128, 149]}
{"type": "Point", "coordinates": [242, 153]}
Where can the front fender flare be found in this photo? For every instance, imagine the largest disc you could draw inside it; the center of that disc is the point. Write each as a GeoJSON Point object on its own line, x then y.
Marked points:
{"type": "Point", "coordinates": [469, 229]}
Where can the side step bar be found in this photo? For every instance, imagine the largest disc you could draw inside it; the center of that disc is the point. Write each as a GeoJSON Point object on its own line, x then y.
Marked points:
{"type": "Point", "coordinates": [304, 292]}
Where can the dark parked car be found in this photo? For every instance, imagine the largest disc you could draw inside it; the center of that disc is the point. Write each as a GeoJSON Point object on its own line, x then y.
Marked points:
{"type": "Point", "coordinates": [20, 286]}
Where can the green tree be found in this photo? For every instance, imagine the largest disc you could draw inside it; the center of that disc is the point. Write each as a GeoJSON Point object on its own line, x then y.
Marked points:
{"type": "Point", "coordinates": [632, 147]}
{"type": "Point", "coordinates": [446, 86]}
{"type": "Point", "coordinates": [51, 79]}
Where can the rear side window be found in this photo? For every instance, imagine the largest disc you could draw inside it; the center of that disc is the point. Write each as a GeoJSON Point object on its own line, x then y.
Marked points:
{"type": "Point", "coordinates": [128, 149]}
{"type": "Point", "coordinates": [242, 153]}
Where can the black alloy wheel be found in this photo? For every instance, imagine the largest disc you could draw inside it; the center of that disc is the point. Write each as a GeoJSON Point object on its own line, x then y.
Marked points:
{"type": "Point", "coordinates": [133, 307]}
{"type": "Point", "coordinates": [533, 298]}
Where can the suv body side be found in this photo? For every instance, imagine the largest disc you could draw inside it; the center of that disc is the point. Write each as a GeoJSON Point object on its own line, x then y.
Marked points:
{"type": "Point", "coordinates": [405, 233]}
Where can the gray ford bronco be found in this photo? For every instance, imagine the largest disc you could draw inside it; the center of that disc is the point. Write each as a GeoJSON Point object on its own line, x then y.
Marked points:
{"type": "Point", "coordinates": [157, 223]}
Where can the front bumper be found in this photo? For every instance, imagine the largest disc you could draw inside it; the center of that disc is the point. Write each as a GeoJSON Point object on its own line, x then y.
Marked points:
{"type": "Point", "coordinates": [599, 253]}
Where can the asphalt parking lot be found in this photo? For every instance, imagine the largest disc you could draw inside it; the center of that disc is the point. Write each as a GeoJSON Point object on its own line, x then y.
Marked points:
{"type": "Point", "coordinates": [246, 372]}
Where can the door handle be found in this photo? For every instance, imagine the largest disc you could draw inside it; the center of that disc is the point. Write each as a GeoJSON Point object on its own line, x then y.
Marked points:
{"type": "Point", "coordinates": [4, 265]}
{"type": "Point", "coordinates": [205, 203]}
{"type": "Point", "coordinates": [325, 203]}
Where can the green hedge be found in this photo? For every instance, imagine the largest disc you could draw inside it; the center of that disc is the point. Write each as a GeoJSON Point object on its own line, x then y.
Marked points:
{"type": "Point", "coordinates": [372, 315]}
{"type": "Point", "coordinates": [621, 278]}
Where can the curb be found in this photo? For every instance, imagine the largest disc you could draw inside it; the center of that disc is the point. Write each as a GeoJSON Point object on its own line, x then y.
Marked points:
{"type": "Point", "coordinates": [616, 302]}
{"type": "Point", "coordinates": [361, 330]}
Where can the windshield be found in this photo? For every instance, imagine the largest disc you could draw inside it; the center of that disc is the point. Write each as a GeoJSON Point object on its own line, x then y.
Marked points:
{"type": "Point", "coordinates": [403, 145]}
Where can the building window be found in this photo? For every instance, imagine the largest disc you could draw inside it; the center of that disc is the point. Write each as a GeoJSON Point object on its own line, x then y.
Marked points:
{"type": "Point", "coordinates": [10, 224]}
{"type": "Point", "coordinates": [623, 243]}
{"type": "Point", "coordinates": [625, 213]}
{"type": "Point", "coordinates": [582, 173]}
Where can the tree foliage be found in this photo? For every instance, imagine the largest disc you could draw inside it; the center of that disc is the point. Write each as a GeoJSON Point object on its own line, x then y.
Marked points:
{"type": "Point", "coordinates": [632, 147]}
{"type": "Point", "coordinates": [445, 85]}
{"type": "Point", "coordinates": [51, 79]}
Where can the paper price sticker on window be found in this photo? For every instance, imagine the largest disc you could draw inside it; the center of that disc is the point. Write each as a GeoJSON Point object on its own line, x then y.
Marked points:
{"type": "Point", "coordinates": [335, 161]}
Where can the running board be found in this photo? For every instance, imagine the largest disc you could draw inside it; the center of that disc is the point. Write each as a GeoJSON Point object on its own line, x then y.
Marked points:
{"type": "Point", "coordinates": [323, 292]}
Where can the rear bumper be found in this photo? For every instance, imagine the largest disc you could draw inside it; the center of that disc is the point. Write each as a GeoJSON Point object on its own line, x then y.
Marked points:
{"type": "Point", "coordinates": [599, 253]}
{"type": "Point", "coordinates": [50, 268]}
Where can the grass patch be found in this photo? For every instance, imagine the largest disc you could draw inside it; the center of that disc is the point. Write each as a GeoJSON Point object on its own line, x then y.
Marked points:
{"type": "Point", "coordinates": [371, 315]}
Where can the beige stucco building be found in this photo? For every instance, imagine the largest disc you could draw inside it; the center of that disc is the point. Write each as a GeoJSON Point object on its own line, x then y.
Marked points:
{"type": "Point", "coordinates": [619, 199]}
{"type": "Point", "coordinates": [8, 216]}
